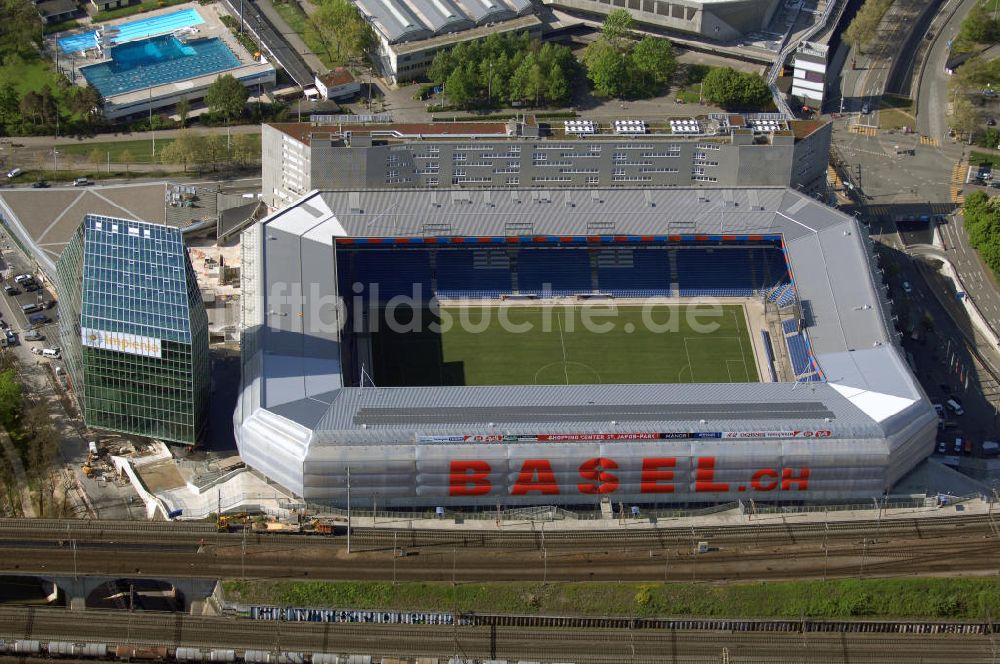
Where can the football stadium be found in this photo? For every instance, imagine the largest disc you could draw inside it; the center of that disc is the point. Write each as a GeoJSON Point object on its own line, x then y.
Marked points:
{"type": "Point", "coordinates": [522, 347]}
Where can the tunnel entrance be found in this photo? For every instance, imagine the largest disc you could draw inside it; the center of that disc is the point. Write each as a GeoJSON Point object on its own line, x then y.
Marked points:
{"type": "Point", "coordinates": [136, 595]}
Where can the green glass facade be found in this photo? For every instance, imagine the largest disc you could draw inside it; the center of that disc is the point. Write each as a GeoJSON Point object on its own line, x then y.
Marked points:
{"type": "Point", "coordinates": [134, 330]}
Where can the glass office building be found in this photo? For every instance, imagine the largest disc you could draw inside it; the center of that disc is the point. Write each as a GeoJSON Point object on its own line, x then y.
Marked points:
{"type": "Point", "coordinates": [134, 330]}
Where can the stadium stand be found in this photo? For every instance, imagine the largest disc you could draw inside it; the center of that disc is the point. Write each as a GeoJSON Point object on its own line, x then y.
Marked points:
{"type": "Point", "coordinates": [633, 272]}
{"type": "Point", "coordinates": [394, 272]}
{"type": "Point", "coordinates": [555, 271]}
{"type": "Point", "coordinates": [719, 273]}
{"type": "Point", "coordinates": [766, 338]}
{"type": "Point", "coordinates": [481, 273]}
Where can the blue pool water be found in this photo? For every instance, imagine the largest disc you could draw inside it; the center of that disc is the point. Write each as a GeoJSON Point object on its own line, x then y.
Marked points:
{"type": "Point", "coordinates": [158, 60]}
{"type": "Point", "coordinates": [147, 27]}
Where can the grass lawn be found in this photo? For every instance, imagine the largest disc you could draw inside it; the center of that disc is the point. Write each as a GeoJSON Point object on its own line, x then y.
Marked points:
{"type": "Point", "coordinates": [566, 345]}
{"type": "Point", "coordinates": [896, 112]}
{"type": "Point", "coordinates": [956, 598]}
{"type": "Point", "coordinates": [141, 150]}
{"type": "Point", "coordinates": [293, 15]}
{"type": "Point", "coordinates": [29, 74]}
{"type": "Point", "coordinates": [145, 6]}
{"type": "Point", "coordinates": [984, 159]}
{"type": "Point", "coordinates": [690, 94]}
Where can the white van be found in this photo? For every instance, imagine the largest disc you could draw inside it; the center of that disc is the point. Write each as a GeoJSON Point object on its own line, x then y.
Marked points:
{"type": "Point", "coordinates": [13, 173]}
{"type": "Point", "coordinates": [50, 352]}
{"type": "Point", "coordinates": [954, 406]}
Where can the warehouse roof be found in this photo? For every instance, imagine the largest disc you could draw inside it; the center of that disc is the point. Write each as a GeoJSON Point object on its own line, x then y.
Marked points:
{"type": "Point", "coordinates": [409, 20]}
{"type": "Point", "coordinates": [868, 387]}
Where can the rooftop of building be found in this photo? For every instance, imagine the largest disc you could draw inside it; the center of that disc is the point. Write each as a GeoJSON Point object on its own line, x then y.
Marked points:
{"type": "Point", "coordinates": [49, 217]}
{"type": "Point", "coordinates": [48, 8]}
{"type": "Point", "coordinates": [408, 20]}
{"type": "Point", "coordinates": [336, 77]}
{"type": "Point", "coordinates": [868, 386]}
{"type": "Point", "coordinates": [713, 127]}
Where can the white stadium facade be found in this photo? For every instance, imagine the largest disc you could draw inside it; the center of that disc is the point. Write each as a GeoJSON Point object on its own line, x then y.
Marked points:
{"type": "Point", "coordinates": [845, 424]}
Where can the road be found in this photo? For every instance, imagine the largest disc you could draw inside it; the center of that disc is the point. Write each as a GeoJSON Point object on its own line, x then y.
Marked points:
{"type": "Point", "coordinates": [899, 185]}
{"type": "Point", "coordinates": [84, 495]}
{"type": "Point", "coordinates": [777, 551]}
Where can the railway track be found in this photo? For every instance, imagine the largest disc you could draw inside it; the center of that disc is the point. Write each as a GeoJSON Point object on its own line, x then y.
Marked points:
{"type": "Point", "coordinates": [534, 537]}
{"type": "Point", "coordinates": [854, 554]}
{"type": "Point", "coordinates": [526, 638]}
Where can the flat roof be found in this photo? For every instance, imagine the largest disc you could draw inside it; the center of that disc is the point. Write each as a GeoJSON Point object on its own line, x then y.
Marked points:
{"type": "Point", "coordinates": [869, 387]}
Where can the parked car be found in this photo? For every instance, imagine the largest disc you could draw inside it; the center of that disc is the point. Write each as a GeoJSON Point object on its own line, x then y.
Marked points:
{"type": "Point", "coordinates": [11, 290]}
{"type": "Point", "coordinates": [34, 335]}
{"type": "Point", "coordinates": [958, 445]}
{"type": "Point", "coordinates": [31, 287]}
{"type": "Point", "coordinates": [21, 278]}
{"type": "Point", "coordinates": [865, 109]}
{"type": "Point", "coordinates": [40, 184]}
{"type": "Point", "coordinates": [942, 447]}
{"type": "Point", "coordinates": [81, 182]}
{"type": "Point", "coordinates": [13, 173]}
{"type": "Point", "coordinates": [11, 337]}
{"type": "Point", "coordinates": [907, 288]}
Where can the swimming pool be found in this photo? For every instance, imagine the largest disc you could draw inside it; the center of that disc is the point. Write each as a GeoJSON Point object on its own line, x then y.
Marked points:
{"type": "Point", "coordinates": [147, 27]}
{"type": "Point", "coordinates": [156, 61]}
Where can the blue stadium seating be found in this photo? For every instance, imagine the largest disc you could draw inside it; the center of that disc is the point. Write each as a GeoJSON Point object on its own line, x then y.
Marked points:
{"type": "Point", "coordinates": [790, 326]}
{"type": "Point", "coordinates": [719, 273]}
{"type": "Point", "coordinates": [395, 272]}
{"type": "Point", "coordinates": [553, 271]}
{"type": "Point", "coordinates": [649, 275]}
{"type": "Point", "coordinates": [799, 354]}
{"type": "Point", "coordinates": [460, 275]}
{"type": "Point", "coordinates": [786, 297]}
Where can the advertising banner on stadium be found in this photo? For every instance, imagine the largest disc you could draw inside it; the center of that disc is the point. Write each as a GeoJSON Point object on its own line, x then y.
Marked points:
{"type": "Point", "coordinates": [571, 437]}
{"type": "Point", "coordinates": [626, 436]}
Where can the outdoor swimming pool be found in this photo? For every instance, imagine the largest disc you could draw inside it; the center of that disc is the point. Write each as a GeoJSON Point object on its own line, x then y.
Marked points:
{"type": "Point", "coordinates": [147, 27]}
{"type": "Point", "coordinates": [158, 60]}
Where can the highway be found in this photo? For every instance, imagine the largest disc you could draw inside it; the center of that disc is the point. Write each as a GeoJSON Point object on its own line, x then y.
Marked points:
{"type": "Point", "coordinates": [768, 552]}
{"type": "Point", "coordinates": [482, 642]}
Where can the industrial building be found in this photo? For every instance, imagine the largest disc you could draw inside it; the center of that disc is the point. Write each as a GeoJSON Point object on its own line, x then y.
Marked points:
{"type": "Point", "coordinates": [411, 32]}
{"type": "Point", "coordinates": [716, 20]}
{"type": "Point", "coordinates": [133, 329]}
{"type": "Point", "coordinates": [834, 414]}
{"type": "Point", "coordinates": [718, 150]}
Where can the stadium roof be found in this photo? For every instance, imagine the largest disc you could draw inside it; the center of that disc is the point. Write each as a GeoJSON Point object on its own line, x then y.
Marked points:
{"type": "Point", "coordinates": [409, 20]}
{"type": "Point", "coordinates": [868, 386]}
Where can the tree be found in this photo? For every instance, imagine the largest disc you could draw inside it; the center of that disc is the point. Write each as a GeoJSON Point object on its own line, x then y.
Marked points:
{"type": "Point", "coordinates": [964, 116]}
{"type": "Point", "coordinates": [126, 158]}
{"type": "Point", "coordinates": [460, 87]}
{"type": "Point", "coordinates": [607, 69]}
{"type": "Point", "coordinates": [557, 90]}
{"type": "Point", "coordinates": [226, 97]}
{"type": "Point", "coordinates": [245, 150]}
{"type": "Point", "coordinates": [30, 106]}
{"type": "Point", "coordinates": [616, 26]}
{"type": "Point", "coordinates": [183, 108]}
{"type": "Point", "coordinates": [215, 148]}
{"type": "Point", "coordinates": [10, 399]}
{"type": "Point", "coordinates": [732, 89]}
{"type": "Point", "coordinates": [96, 157]}
{"type": "Point", "coordinates": [20, 29]}
{"type": "Point", "coordinates": [9, 105]}
{"type": "Point", "coordinates": [183, 150]}
{"type": "Point", "coordinates": [653, 65]}
{"type": "Point", "coordinates": [979, 27]}
{"type": "Point", "coordinates": [337, 31]}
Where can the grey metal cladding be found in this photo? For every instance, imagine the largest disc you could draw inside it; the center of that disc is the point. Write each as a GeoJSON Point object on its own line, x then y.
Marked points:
{"type": "Point", "coordinates": [440, 15]}
{"type": "Point", "coordinates": [486, 11]}
{"type": "Point", "coordinates": [395, 20]}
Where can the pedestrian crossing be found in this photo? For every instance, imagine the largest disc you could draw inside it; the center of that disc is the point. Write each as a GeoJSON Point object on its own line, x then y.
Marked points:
{"type": "Point", "coordinates": [833, 178]}
{"type": "Point", "coordinates": [878, 211]}
{"type": "Point", "coordinates": [928, 140]}
{"type": "Point", "coordinates": [958, 182]}
{"type": "Point", "coordinates": [864, 130]}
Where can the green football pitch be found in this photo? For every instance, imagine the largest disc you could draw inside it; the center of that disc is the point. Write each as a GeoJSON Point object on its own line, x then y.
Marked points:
{"type": "Point", "coordinates": [565, 345]}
